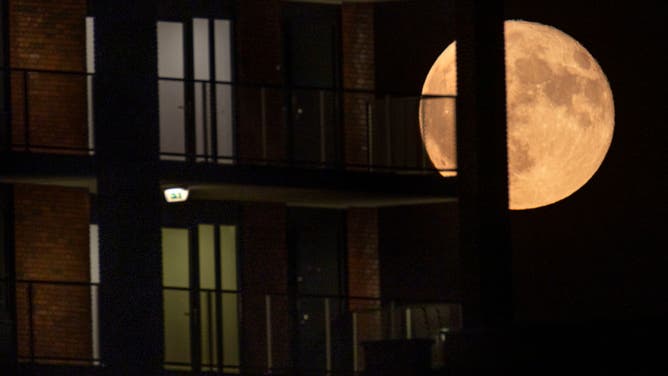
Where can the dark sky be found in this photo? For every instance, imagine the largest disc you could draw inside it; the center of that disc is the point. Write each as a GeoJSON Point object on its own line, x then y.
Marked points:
{"type": "Point", "coordinates": [602, 252]}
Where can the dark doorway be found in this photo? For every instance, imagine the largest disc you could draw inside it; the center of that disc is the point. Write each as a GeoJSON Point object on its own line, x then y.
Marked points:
{"type": "Point", "coordinates": [317, 246]}
{"type": "Point", "coordinates": [312, 63]}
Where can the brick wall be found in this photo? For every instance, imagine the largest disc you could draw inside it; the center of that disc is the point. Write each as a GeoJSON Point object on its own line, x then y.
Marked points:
{"type": "Point", "coordinates": [357, 24]}
{"type": "Point", "coordinates": [51, 244]}
{"type": "Point", "coordinates": [363, 273]}
{"type": "Point", "coordinates": [259, 46]}
{"type": "Point", "coordinates": [48, 35]}
{"type": "Point", "coordinates": [264, 271]}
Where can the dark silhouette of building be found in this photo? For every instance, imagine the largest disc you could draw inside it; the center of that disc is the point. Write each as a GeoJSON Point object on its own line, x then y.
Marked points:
{"type": "Point", "coordinates": [317, 237]}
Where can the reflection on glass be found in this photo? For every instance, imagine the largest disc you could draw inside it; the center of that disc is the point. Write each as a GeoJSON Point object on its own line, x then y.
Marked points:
{"type": "Point", "coordinates": [176, 301]}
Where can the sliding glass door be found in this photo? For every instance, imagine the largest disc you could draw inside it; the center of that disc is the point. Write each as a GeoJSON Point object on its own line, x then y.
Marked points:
{"type": "Point", "coordinates": [201, 298]}
{"type": "Point", "coordinates": [195, 92]}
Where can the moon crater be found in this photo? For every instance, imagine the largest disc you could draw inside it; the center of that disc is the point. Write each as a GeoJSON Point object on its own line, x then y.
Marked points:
{"type": "Point", "coordinates": [559, 107]}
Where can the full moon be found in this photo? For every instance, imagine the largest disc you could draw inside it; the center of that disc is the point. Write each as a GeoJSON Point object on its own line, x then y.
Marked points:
{"type": "Point", "coordinates": [560, 114]}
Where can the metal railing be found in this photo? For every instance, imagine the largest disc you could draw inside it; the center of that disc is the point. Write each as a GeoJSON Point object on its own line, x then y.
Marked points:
{"type": "Point", "coordinates": [346, 323]}
{"type": "Point", "coordinates": [57, 322]}
{"type": "Point", "coordinates": [50, 111]}
{"type": "Point", "coordinates": [289, 126]}
{"type": "Point", "coordinates": [230, 123]}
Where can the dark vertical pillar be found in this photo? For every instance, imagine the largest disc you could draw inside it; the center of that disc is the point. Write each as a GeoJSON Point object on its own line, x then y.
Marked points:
{"type": "Point", "coordinates": [8, 339]}
{"type": "Point", "coordinates": [5, 89]}
{"type": "Point", "coordinates": [128, 200]}
{"type": "Point", "coordinates": [484, 345]}
{"type": "Point", "coordinates": [7, 302]}
{"type": "Point", "coordinates": [482, 166]}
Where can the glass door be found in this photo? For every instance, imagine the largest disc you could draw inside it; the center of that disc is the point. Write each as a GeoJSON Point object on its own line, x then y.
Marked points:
{"type": "Point", "coordinates": [201, 298]}
{"type": "Point", "coordinates": [194, 89]}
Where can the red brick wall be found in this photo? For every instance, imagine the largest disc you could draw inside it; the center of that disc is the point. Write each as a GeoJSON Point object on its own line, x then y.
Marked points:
{"type": "Point", "coordinates": [264, 271]}
{"type": "Point", "coordinates": [52, 244]}
{"type": "Point", "coordinates": [357, 24]}
{"type": "Point", "coordinates": [259, 46]}
{"type": "Point", "coordinates": [48, 35]}
{"type": "Point", "coordinates": [363, 273]}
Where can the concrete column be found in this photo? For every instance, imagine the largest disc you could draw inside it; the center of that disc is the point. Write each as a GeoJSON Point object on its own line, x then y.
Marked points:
{"type": "Point", "coordinates": [482, 166]}
{"type": "Point", "coordinates": [129, 197]}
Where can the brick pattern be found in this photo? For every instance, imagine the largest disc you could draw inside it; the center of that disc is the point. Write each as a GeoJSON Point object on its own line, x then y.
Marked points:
{"type": "Point", "coordinates": [362, 235]}
{"type": "Point", "coordinates": [48, 35]}
{"type": "Point", "coordinates": [56, 111]}
{"type": "Point", "coordinates": [357, 23]}
{"type": "Point", "coordinates": [51, 244]}
{"type": "Point", "coordinates": [264, 271]}
{"type": "Point", "coordinates": [258, 58]}
{"type": "Point", "coordinates": [363, 273]}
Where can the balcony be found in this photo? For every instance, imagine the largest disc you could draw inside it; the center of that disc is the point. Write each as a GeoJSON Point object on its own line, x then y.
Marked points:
{"type": "Point", "coordinates": [215, 134]}
{"type": "Point", "coordinates": [52, 112]}
{"type": "Point", "coordinates": [273, 333]}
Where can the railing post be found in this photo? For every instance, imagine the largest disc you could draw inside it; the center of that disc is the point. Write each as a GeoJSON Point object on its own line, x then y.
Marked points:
{"type": "Point", "coordinates": [95, 331]}
{"type": "Point", "coordinates": [409, 324]}
{"type": "Point", "coordinates": [355, 344]}
{"type": "Point", "coordinates": [267, 312]}
{"type": "Point", "coordinates": [392, 323]}
{"type": "Point", "coordinates": [323, 139]}
{"type": "Point", "coordinates": [369, 137]}
{"type": "Point", "coordinates": [388, 132]}
{"type": "Point", "coordinates": [263, 122]}
{"type": "Point", "coordinates": [31, 324]}
{"type": "Point", "coordinates": [26, 112]}
{"type": "Point", "coordinates": [206, 134]}
{"type": "Point", "coordinates": [89, 113]}
{"type": "Point", "coordinates": [328, 339]}
{"type": "Point", "coordinates": [210, 334]}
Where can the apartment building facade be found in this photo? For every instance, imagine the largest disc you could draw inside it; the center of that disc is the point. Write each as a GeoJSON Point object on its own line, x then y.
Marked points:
{"type": "Point", "coordinates": [310, 193]}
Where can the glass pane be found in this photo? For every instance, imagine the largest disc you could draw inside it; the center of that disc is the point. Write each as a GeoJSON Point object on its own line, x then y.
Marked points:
{"type": "Point", "coordinates": [230, 332]}
{"type": "Point", "coordinates": [201, 48]}
{"type": "Point", "coordinates": [223, 55]}
{"type": "Point", "coordinates": [203, 118]}
{"type": "Point", "coordinates": [207, 263]}
{"type": "Point", "coordinates": [90, 68]}
{"type": "Point", "coordinates": [209, 330]}
{"type": "Point", "coordinates": [172, 122]}
{"type": "Point", "coordinates": [224, 121]}
{"type": "Point", "coordinates": [171, 93]}
{"type": "Point", "coordinates": [228, 253]}
{"type": "Point", "coordinates": [90, 45]}
{"type": "Point", "coordinates": [223, 50]}
{"type": "Point", "coordinates": [176, 302]}
{"type": "Point", "coordinates": [170, 49]}
{"type": "Point", "coordinates": [177, 329]}
{"type": "Point", "coordinates": [175, 257]}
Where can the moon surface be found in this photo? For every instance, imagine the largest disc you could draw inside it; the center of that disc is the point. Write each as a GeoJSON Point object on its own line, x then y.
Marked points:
{"type": "Point", "coordinates": [560, 114]}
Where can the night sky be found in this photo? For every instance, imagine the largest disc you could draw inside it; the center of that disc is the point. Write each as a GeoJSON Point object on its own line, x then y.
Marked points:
{"type": "Point", "coordinates": [600, 254]}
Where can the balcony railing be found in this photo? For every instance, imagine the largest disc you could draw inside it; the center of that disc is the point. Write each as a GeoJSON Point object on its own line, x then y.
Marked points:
{"type": "Point", "coordinates": [57, 324]}
{"type": "Point", "coordinates": [229, 123]}
{"type": "Point", "coordinates": [232, 123]}
{"type": "Point", "coordinates": [49, 111]}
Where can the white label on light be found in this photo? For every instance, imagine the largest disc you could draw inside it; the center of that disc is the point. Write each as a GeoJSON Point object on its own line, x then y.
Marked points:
{"type": "Point", "coordinates": [176, 194]}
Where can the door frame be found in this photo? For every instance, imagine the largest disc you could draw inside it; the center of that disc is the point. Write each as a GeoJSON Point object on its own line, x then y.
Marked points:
{"type": "Point", "coordinates": [288, 11]}
{"type": "Point", "coordinates": [294, 294]}
{"type": "Point", "coordinates": [190, 215]}
{"type": "Point", "coordinates": [185, 15]}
